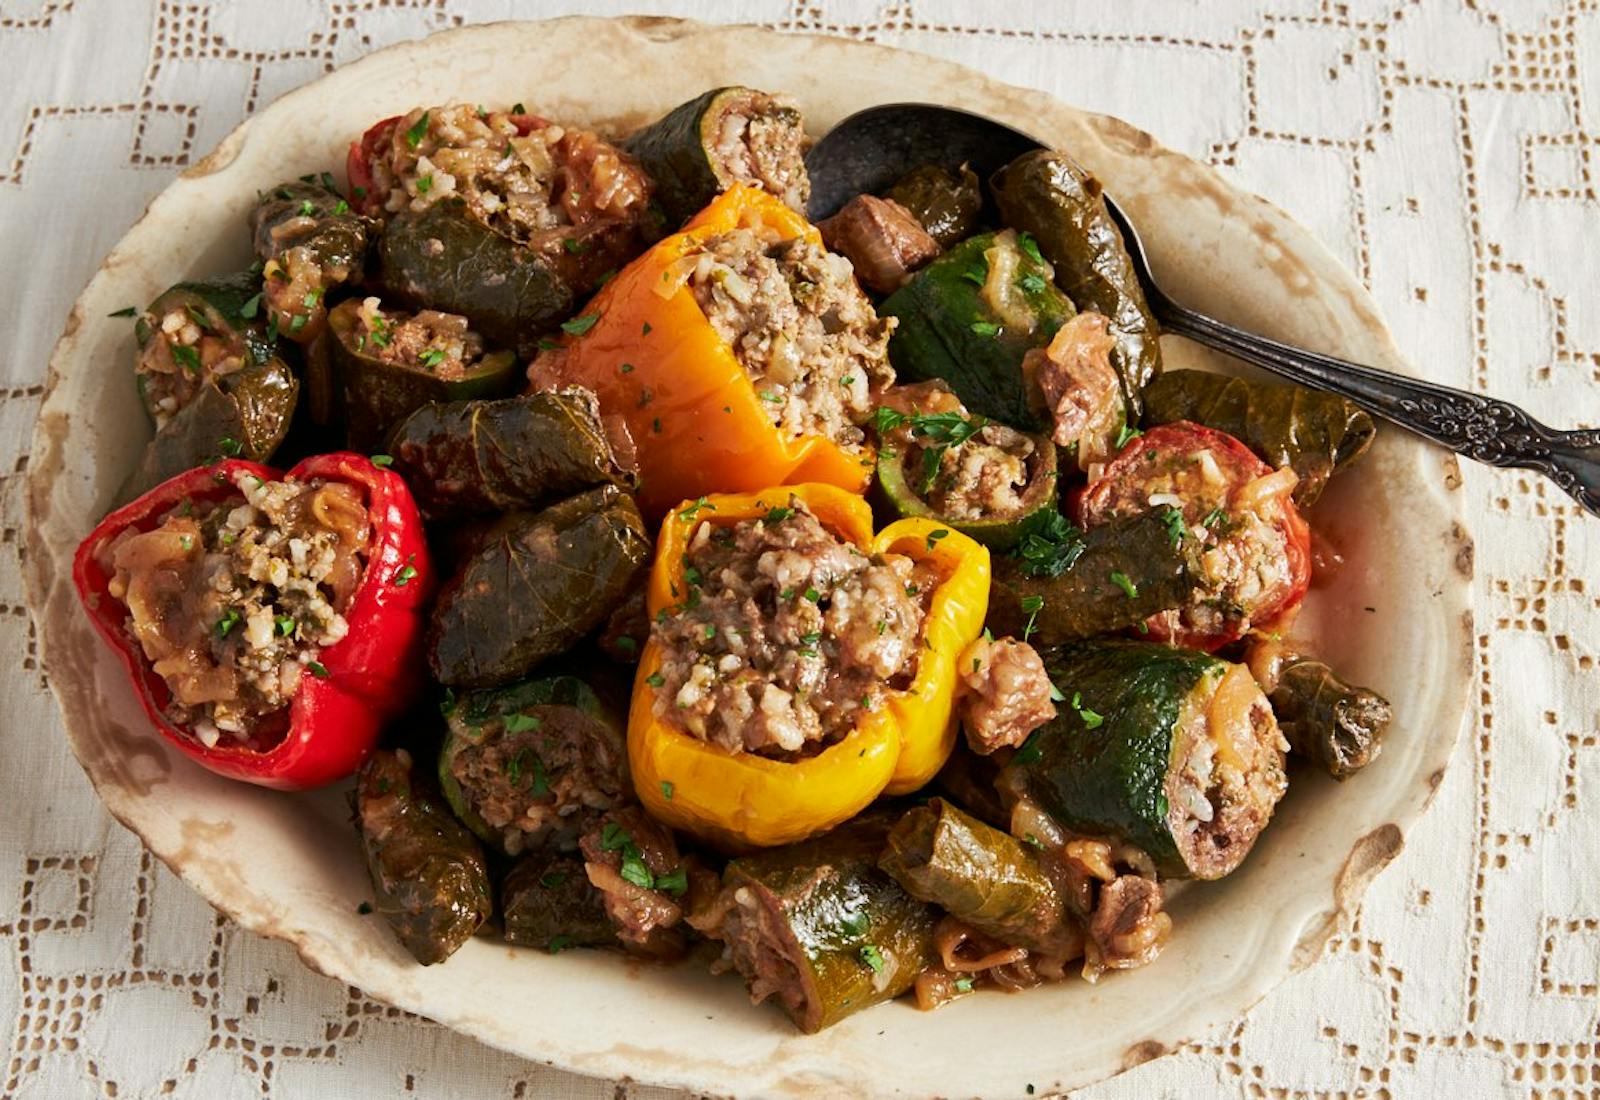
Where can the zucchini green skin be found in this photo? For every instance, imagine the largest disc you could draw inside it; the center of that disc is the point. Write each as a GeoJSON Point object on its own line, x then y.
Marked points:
{"type": "Point", "coordinates": [224, 300]}
{"type": "Point", "coordinates": [1050, 196]}
{"type": "Point", "coordinates": [429, 878]}
{"type": "Point", "coordinates": [1318, 434]}
{"type": "Point", "coordinates": [375, 394]}
{"type": "Point", "coordinates": [935, 338]}
{"type": "Point", "coordinates": [536, 584]}
{"type": "Point", "coordinates": [547, 901]}
{"type": "Point", "coordinates": [893, 488]}
{"type": "Point", "coordinates": [466, 458]}
{"type": "Point", "coordinates": [479, 717]}
{"type": "Point", "coordinates": [1336, 725]}
{"type": "Point", "coordinates": [832, 903]}
{"type": "Point", "coordinates": [978, 874]}
{"type": "Point", "coordinates": [678, 151]}
{"type": "Point", "coordinates": [1112, 780]}
{"type": "Point", "coordinates": [947, 206]}
{"type": "Point", "coordinates": [251, 408]}
{"type": "Point", "coordinates": [443, 258]}
{"type": "Point", "coordinates": [1083, 600]}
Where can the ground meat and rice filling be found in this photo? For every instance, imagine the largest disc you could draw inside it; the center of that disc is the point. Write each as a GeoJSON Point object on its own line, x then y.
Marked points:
{"type": "Point", "coordinates": [761, 144]}
{"type": "Point", "coordinates": [1005, 694]}
{"type": "Point", "coordinates": [964, 467]}
{"type": "Point", "coordinates": [519, 175]}
{"type": "Point", "coordinates": [800, 326]}
{"type": "Point", "coordinates": [439, 343]}
{"type": "Point", "coordinates": [786, 634]}
{"type": "Point", "coordinates": [188, 346]}
{"type": "Point", "coordinates": [232, 602]}
{"type": "Point", "coordinates": [1231, 773]}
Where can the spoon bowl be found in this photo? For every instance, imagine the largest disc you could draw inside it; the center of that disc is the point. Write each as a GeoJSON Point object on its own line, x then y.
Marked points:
{"type": "Point", "coordinates": [871, 149]}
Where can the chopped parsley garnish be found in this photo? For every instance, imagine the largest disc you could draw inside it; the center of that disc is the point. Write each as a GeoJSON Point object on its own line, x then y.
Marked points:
{"type": "Point", "coordinates": [1031, 606]}
{"type": "Point", "coordinates": [312, 298]}
{"type": "Point", "coordinates": [230, 446]}
{"type": "Point", "coordinates": [985, 328]}
{"type": "Point", "coordinates": [1091, 719]}
{"type": "Point", "coordinates": [1032, 284]}
{"type": "Point", "coordinates": [127, 311]}
{"type": "Point", "coordinates": [551, 879]}
{"type": "Point", "coordinates": [424, 184]}
{"type": "Point", "coordinates": [558, 943]}
{"type": "Point", "coordinates": [1176, 528]}
{"type": "Point", "coordinates": [541, 784]}
{"type": "Point", "coordinates": [574, 246]}
{"type": "Point", "coordinates": [644, 329]}
{"type": "Point", "coordinates": [577, 326]}
{"type": "Point", "coordinates": [655, 679]}
{"type": "Point", "coordinates": [317, 669]}
{"type": "Point", "coordinates": [251, 307]}
{"type": "Point", "coordinates": [776, 515]}
{"type": "Point", "coordinates": [855, 924]}
{"type": "Point", "coordinates": [230, 619]}
{"type": "Point", "coordinates": [700, 503]}
{"type": "Point", "coordinates": [383, 461]}
{"type": "Point", "coordinates": [297, 322]}
{"type": "Point", "coordinates": [418, 131]}
{"type": "Point", "coordinates": [341, 207]}
{"type": "Point", "coordinates": [1051, 551]}
{"type": "Point", "coordinates": [674, 882]}
{"type": "Point", "coordinates": [627, 368]}
{"type": "Point", "coordinates": [187, 357]}
{"type": "Point", "coordinates": [198, 317]}
{"type": "Point", "coordinates": [364, 908]}
{"type": "Point", "coordinates": [1032, 749]}
{"type": "Point", "coordinates": [935, 536]}
{"type": "Point", "coordinates": [404, 574]}
{"type": "Point", "coordinates": [285, 625]}
{"type": "Point", "coordinates": [522, 723]}
{"type": "Point", "coordinates": [1030, 247]}
{"type": "Point", "coordinates": [1122, 581]}
{"type": "Point", "coordinates": [885, 419]}
{"type": "Point", "coordinates": [813, 595]}
{"type": "Point", "coordinates": [655, 425]}
{"type": "Point", "coordinates": [547, 344]}
{"type": "Point", "coordinates": [847, 379]}
{"type": "Point", "coordinates": [872, 957]}
{"type": "Point", "coordinates": [772, 397]}
{"type": "Point", "coordinates": [1125, 434]}
{"type": "Point", "coordinates": [977, 273]}
{"type": "Point", "coordinates": [963, 985]}
{"type": "Point", "coordinates": [518, 109]}
{"type": "Point", "coordinates": [811, 639]}
{"type": "Point", "coordinates": [711, 631]}
{"type": "Point", "coordinates": [627, 645]}
{"type": "Point", "coordinates": [666, 789]}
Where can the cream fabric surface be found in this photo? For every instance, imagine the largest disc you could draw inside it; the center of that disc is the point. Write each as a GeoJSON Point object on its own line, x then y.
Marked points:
{"type": "Point", "coordinates": [1445, 149]}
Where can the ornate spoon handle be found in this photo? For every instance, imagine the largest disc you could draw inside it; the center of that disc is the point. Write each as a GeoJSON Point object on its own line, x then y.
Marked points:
{"type": "Point", "coordinates": [1481, 428]}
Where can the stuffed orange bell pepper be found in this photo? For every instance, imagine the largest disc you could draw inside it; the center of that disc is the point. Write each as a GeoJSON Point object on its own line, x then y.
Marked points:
{"type": "Point", "coordinates": [780, 404]}
{"type": "Point", "coordinates": [799, 666]}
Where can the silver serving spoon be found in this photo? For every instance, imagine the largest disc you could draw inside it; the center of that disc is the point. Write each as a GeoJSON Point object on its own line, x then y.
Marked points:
{"type": "Point", "coordinates": [871, 149]}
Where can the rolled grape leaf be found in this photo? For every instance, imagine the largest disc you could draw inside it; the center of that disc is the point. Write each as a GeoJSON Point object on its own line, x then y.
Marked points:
{"type": "Point", "coordinates": [978, 874]}
{"type": "Point", "coordinates": [1082, 583]}
{"type": "Point", "coordinates": [945, 203]}
{"type": "Point", "coordinates": [535, 585]}
{"type": "Point", "coordinates": [1336, 725]}
{"type": "Point", "coordinates": [443, 258]}
{"type": "Point", "coordinates": [1317, 433]}
{"type": "Point", "coordinates": [467, 458]}
{"type": "Point", "coordinates": [1051, 197]}
{"type": "Point", "coordinates": [428, 875]}
{"type": "Point", "coordinates": [547, 901]}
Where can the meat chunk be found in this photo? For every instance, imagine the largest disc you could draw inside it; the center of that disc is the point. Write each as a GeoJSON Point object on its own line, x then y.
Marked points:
{"type": "Point", "coordinates": [1128, 927]}
{"type": "Point", "coordinates": [1080, 387]}
{"type": "Point", "coordinates": [881, 239]}
{"type": "Point", "coordinates": [1005, 693]}
{"type": "Point", "coordinates": [635, 864]}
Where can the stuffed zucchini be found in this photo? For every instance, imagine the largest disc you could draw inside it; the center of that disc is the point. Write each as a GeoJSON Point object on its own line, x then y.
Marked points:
{"type": "Point", "coordinates": [198, 332]}
{"type": "Point", "coordinates": [971, 316]}
{"type": "Point", "coordinates": [309, 242]}
{"type": "Point", "coordinates": [1170, 750]}
{"type": "Point", "coordinates": [722, 137]}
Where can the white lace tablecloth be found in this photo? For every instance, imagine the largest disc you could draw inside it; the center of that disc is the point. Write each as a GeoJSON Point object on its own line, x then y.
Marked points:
{"type": "Point", "coordinates": [1446, 149]}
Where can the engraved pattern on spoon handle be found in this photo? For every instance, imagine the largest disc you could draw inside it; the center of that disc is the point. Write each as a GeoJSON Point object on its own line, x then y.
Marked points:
{"type": "Point", "coordinates": [1481, 428]}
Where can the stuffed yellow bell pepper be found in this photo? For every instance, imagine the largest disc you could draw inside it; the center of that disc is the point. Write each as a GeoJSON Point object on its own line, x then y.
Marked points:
{"type": "Point", "coordinates": [799, 666]}
{"type": "Point", "coordinates": [703, 420]}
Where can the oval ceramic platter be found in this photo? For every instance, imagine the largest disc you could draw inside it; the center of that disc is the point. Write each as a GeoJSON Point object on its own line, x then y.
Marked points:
{"type": "Point", "coordinates": [288, 866]}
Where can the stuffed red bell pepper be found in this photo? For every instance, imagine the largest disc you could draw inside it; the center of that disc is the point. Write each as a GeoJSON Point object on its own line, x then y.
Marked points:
{"type": "Point", "coordinates": [271, 623]}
